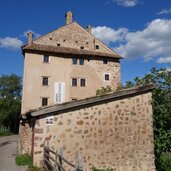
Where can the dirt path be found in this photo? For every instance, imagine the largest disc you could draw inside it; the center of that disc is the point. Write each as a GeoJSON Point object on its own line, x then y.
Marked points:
{"type": "Point", "coordinates": [8, 151]}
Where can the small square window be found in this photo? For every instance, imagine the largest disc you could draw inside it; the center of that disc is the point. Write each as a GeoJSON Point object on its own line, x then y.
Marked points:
{"type": "Point", "coordinates": [74, 99]}
{"type": "Point", "coordinates": [74, 82]}
{"type": "Point", "coordinates": [58, 44]}
{"type": "Point", "coordinates": [44, 101]}
{"type": "Point", "coordinates": [105, 61]}
{"type": "Point", "coordinates": [107, 77]}
{"type": "Point", "coordinates": [45, 81]}
{"type": "Point", "coordinates": [82, 82]}
{"type": "Point", "coordinates": [82, 47]}
{"type": "Point", "coordinates": [81, 61]}
{"type": "Point", "coordinates": [46, 59]}
{"type": "Point", "coordinates": [74, 61]}
{"type": "Point", "coordinates": [97, 46]}
{"type": "Point", "coordinates": [49, 120]}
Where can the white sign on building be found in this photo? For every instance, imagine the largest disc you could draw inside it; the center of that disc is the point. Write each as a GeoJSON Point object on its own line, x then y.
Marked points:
{"type": "Point", "coordinates": [59, 93]}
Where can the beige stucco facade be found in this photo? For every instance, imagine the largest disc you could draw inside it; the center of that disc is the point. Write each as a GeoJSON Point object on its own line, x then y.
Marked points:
{"type": "Point", "coordinates": [60, 68]}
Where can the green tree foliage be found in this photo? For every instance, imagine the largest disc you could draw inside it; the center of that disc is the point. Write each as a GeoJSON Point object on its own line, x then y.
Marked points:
{"type": "Point", "coordinates": [162, 112]}
{"type": "Point", "coordinates": [10, 101]}
{"type": "Point", "coordinates": [104, 90]}
{"type": "Point", "coordinates": [164, 162]}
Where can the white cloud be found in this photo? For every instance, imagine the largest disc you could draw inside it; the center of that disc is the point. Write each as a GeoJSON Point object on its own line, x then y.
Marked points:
{"type": "Point", "coordinates": [168, 69]}
{"type": "Point", "coordinates": [10, 43]}
{"type": "Point", "coordinates": [164, 11]}
{"type": "Point", "coordinates": [36, 35]}
{"type": "Point", "coordinates": [125, 3]}
{"type": "Point", "coordinates": [154, 41]}
{"type": "Point", "coordinates": [164, 60]}
{"type": "Point", "coordinates": [109, 35]}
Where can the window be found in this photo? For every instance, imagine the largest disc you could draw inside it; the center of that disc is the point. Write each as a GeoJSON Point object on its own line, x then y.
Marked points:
{"type": "Point", "coordinates": [82, 82]}
{"type": "Point", "coordinates": [105, 61]}
{"type": "Point", "coordinates": [97, 46]}
{"type": "Point", "coordinates": [58, 44]}
{"type": "Point", "coordinates": [46, 59]}
{"type": "Point", "coordinates": [82, 47]}
{"type": "Point", "coordinates": [49, 120]}
{"type": "Point", "coordinates": [74, 61]}
{"type": "Point", "coordinates": [81, 61]}
{"type": "Point", "coordinates": [45, 81]}
{"type": "Point", "coordinates": [74, 82]}
{"type": "Point", "coordinates": [74, 99]}
{"type": "Point", "coordinates": [44, 101]}
{"type": "Point", "coordinates": [107, 77]}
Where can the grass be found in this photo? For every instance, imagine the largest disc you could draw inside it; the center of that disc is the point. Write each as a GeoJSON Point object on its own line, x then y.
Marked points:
{"type": "Point", "coordinates": [5, 131]}
{"type": "Point", "coordinates": [95, 169]}
{"type": "Point", "coordinates": [2, 134]}
{"type": "Point", "coordinates": [25, 159]}
{"type": "Point", "coordinates": [34, 168]}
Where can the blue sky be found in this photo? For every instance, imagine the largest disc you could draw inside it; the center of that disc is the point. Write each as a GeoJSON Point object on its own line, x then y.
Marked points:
{"type": "Point", "coordinates": [139, 30]}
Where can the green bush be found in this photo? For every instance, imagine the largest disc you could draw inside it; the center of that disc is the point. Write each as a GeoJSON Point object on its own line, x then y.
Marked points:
{"type": "Point", "coordinates": [23, 159]}
{"type": "Point", "coordinates": [103, 90]}
{"type": "Point", "coordinates": [164, 162]}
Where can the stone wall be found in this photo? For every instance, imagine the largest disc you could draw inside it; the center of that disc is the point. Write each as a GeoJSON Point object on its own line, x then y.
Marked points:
{"type": "Point", "coordinates": [25, 132]}
{"type": "Point", "coordinates": [117, 134]}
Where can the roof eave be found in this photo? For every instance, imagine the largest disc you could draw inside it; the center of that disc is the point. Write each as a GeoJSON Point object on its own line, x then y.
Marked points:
{"type": "Point", "coordinates": [33, 48]}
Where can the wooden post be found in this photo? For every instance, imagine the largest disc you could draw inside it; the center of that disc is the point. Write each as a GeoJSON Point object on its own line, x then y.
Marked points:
{"type": "Point", "coordinates": [47, 151]}
{"type": "Point", "coordinates": [79, 163]}
{"type": "Point", "coordinates": [60, 154]}
{"type": "Point", "coordinates": [56, 161]}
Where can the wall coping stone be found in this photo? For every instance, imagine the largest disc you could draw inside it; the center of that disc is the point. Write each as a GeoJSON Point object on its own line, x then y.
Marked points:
{"type": "Point", "coordinates": [72, 105]}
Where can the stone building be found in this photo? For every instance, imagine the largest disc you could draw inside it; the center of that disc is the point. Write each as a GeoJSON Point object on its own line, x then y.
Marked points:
{"type": "Point", "coordinates": [66, 64]}
{"type": "Point", "coordinates": [62, 71]}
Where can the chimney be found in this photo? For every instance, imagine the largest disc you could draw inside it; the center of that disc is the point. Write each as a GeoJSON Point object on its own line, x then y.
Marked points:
{"type": "Point", "coordinates": [69, 15]}
{"type": "Point", "coordinates": [30, 38]}
{"type": "Point", "coordinates": [89, 28]}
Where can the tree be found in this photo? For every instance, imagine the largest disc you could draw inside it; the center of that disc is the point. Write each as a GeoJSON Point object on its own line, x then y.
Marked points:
{"type": "Point", "coordinates": [103, 90]}
{"type": "Point", "coordinates": [162, 113]}
{"type": "Point", "coordinates": [10, 101]}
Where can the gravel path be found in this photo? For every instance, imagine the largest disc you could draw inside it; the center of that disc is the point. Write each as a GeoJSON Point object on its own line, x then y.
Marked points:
{"type": "Point", "coordinates": [8, 151]}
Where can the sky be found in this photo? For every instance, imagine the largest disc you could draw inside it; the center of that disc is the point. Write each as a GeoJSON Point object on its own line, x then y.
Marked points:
{"type": "Point", "coordinates": [139, 30]}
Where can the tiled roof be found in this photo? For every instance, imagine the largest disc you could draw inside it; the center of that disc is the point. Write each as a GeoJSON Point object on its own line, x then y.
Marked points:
{"type": "Point", "coordinates": [66, 50]}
